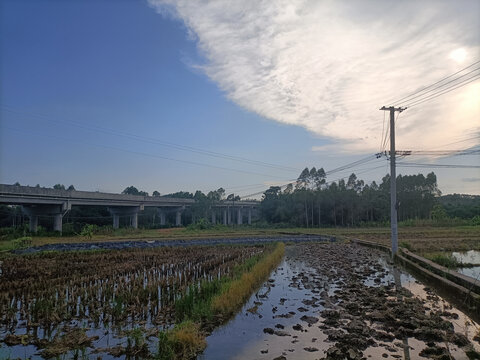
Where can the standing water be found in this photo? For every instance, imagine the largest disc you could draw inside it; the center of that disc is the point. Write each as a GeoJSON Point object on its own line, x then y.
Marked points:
{"type": "Point", "coordinates": [342, 300]}
{"type": "Point", "coordinates": [471, 257]}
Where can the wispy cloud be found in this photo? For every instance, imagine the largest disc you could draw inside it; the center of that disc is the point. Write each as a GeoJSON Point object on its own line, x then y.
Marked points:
{"type": "Point", "coordinates": [329, 65]}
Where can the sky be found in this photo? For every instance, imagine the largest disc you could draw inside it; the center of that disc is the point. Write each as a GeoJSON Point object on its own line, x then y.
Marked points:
{"type": "Point", "coordinates": [196, 95]}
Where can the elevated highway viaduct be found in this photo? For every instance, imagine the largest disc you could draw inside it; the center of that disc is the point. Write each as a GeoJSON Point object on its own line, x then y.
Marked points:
{"type": "Point", "coordinates": [36, 201]}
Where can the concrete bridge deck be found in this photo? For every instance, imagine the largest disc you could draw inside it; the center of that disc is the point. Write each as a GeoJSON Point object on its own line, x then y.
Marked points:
{"type": "Point", "coordinates": [38, 201]}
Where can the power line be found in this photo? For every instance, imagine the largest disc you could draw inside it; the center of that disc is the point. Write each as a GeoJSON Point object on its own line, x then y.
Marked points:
{"type": "Point", "coordinates": [383, 131]}
{"type": "Point", "coordinates": [341, 168]}
{"type": "Point", "coordinates": [143, 154]}
{"type": "Point", "coordinates": [444, 152]}
{"type": "Point", "coordinates": [443, 85]}
{"type": "Point", "coordinates": [352, 164]}
{"type": "Point", "coordinates": [155, 141]}
{"type": "Point", "coordinates": [445, 91]}
{"type": "Point", "coordinates": [435, 83]}
{"type": "Point", "coordinates": [464, 140]}
{"type": "Point", "coordinates": [326, 183]}
{"type": "Point", "coordinates": [450, 166]}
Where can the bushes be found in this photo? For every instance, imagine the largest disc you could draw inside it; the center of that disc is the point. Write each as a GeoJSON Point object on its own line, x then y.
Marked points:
{"type": "Point", "coordinates": [201, 224]}
{"type": "Point", "coordinates": [22, 243]}
{"type": "Point", "coordinates": [88, 231]}
{"type": "Point", "coordinates": [10, 233]}
{"type": "Point", "coordinates": [475, 221]}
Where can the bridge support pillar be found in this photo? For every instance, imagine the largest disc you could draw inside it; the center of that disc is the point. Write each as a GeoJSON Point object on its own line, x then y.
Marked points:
{"type": "Point", "coordinates": [249, 216]}
{"type": "Point", "coordinates": [131, 211]}
{"type": "Point", "coordinates": [57, 222]}
{"type": "Point", "coordinates": [33, 223]}
{"type": "Point", "coordinates": [214, 217]}
{"type": "Point", "coordinates": [224, 216]}
{"type": "Point", "coordinates": [134, 220]}
{"type": "Point", "coordinates": [178, 218]}
{"type": "Point", "coordinates": [55, 211]}
{"type": "Point", "coordinates": [161, 213]}
{"type": "Point", "coordinates": [116, 221]}
{"type": "Point", "coordinates": [229, 214]}
{"type": "Point", "coordinates": [239, 216]}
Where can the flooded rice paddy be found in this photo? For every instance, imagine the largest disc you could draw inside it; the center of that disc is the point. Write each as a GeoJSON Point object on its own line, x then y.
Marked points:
{"type": "Point", "coordinates": [95, 302]}
{"type": "Point", "coordinates": [339, 301]}
{"type": "Point", "coordinates": [324, 301]}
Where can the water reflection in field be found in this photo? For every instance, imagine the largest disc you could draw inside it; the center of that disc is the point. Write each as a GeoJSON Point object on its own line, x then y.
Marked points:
{"type": "Point", "coordinates": [271, 326]}
{"type": "Point", "coordinates": [469, 257]}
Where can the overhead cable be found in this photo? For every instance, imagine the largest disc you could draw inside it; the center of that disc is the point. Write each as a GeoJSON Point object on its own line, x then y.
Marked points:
{"type": "Point", "coordinates": [431, 85]}
{"type": "Point", "coordinates": [155, 141]}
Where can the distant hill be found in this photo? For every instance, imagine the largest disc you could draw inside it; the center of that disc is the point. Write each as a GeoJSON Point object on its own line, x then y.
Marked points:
{"type": "Point", "coordinates": [461, 205]}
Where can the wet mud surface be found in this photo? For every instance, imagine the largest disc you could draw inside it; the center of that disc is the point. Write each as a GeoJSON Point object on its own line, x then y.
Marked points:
{"type": "Point", "coordinates": [342, 301]}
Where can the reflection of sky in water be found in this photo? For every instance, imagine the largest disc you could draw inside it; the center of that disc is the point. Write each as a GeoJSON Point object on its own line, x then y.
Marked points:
{"type": "Point", "coordinates": [243, 337]}
{"type": "Point", "coordinates": [473, 272]}
{"type": "Point", "coordinates": [470, 257]}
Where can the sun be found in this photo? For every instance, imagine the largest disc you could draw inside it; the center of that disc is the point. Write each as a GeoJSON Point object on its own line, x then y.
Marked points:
{"type": "Point", "coordinates": [458, 55]}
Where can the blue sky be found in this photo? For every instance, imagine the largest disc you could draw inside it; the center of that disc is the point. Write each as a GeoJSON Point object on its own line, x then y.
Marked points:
{"type": "Point", "coordinates": [104, 94]}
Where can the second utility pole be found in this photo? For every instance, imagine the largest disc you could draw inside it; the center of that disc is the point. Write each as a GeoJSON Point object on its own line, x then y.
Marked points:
{"type": "Point", "coordinates": [393, 180]}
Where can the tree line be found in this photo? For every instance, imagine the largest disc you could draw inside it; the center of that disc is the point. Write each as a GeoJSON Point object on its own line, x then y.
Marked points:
{"type": "Point", "coordinates": [313, 202]}
{"type": "Point", "coordinates": [310, 201]}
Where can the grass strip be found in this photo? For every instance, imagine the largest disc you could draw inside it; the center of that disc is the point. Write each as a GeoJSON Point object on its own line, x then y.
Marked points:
{"type": "Point", "coordinates": [237, 293]}
{"type": "Point", "coordinates": [212, 303]}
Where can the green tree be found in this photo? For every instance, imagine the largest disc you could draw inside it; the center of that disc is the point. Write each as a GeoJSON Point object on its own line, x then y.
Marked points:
{"type": "Point", "coordinates": [132, 190]}
{"type": "Point", "coordinates": [439, 213]}
{"type": "Point", "coordinates": [233, 197]}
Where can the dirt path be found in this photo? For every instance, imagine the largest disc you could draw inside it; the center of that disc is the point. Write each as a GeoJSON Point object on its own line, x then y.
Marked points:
{"type": "Point", "coordinates": [341, 301]}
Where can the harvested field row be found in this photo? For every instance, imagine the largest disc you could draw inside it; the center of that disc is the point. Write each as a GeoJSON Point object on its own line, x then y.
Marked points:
{"type": "Point", "coordinates": [113, 288]}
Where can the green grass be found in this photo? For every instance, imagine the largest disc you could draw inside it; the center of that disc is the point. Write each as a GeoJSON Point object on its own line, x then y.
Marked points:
{"type": "Point", "coordinates": [238, 291]}
{"type": "Point", "coordinates": [212, 302]}
{"type": "Point", "coordinates": [184, 342]}
{"type": "Point", "coordinates": [446, 260]}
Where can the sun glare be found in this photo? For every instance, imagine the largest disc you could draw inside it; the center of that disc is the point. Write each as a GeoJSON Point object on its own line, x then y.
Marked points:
{"type": "Point", "coordinates": [458, 55]}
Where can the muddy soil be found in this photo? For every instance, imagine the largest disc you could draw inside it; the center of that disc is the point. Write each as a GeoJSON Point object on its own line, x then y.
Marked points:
{"type": "Point", "coordinates": [343, 301]}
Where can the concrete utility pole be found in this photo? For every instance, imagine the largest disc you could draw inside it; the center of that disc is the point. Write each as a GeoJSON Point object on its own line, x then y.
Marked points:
{"type": "Point", "coordinates": [393, 180]}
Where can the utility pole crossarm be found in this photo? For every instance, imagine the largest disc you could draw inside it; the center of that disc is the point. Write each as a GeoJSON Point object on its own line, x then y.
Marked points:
{"type": "Point", "coordinates": [399, 109]}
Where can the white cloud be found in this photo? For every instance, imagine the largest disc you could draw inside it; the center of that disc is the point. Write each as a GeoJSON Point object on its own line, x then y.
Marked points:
{"type": "Point", "coordinates": [329, 65]}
